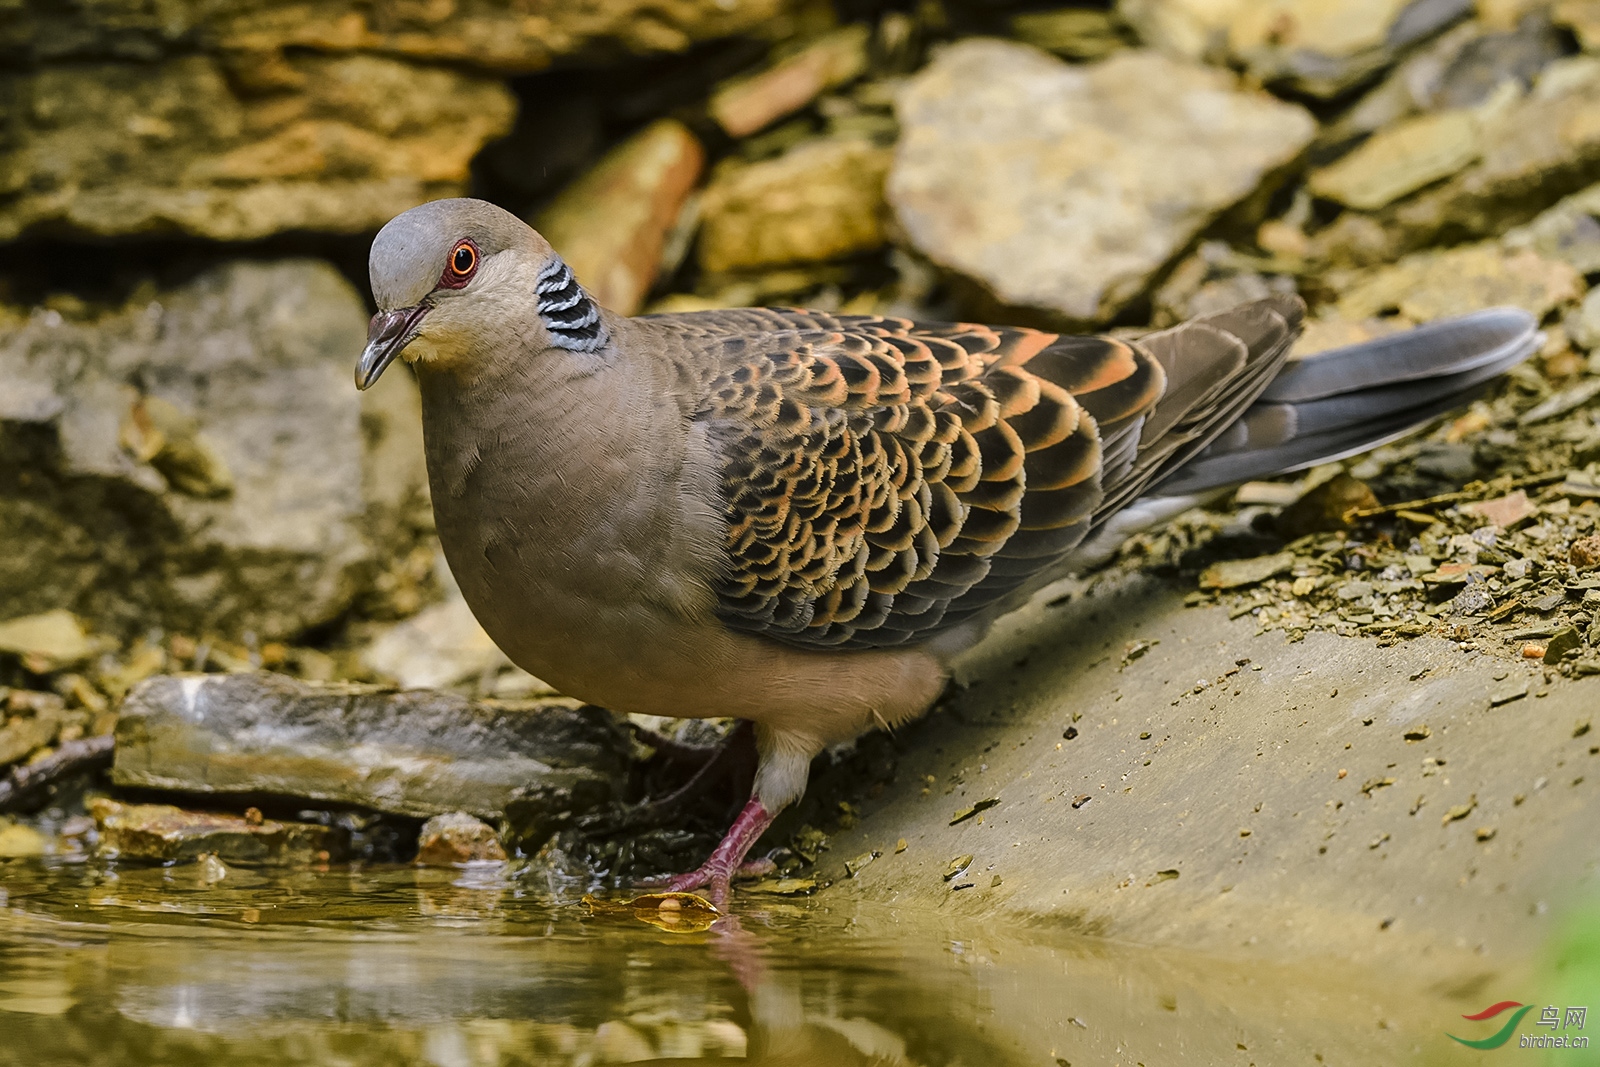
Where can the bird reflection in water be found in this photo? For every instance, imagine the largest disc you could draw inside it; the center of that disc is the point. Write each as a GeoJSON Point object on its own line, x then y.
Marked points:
{"type": "Point", "coordinates": [781, 1030]}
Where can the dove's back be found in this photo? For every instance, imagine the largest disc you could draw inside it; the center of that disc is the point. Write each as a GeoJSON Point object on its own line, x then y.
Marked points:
{"type": "Point", "coordinates": [890, 483]}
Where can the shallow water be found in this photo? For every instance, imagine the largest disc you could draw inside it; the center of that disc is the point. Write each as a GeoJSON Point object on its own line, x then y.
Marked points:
{"type": "Point", "coordinates": [398, 966]}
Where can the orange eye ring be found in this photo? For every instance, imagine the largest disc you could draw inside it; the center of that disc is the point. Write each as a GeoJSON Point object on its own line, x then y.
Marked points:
{"type": "Point", "coordinates": [461, 265]}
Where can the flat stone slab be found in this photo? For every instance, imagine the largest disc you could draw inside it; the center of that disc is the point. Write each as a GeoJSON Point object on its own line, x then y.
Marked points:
{"type": "Point", "coordinates": [164, 834]}
{"type": "Point", "coordinates": [410, 752]}
{"type": "Point", "coordinates": [1068, 187]}
{"type": "Point", "coordinates": [1238, 793]}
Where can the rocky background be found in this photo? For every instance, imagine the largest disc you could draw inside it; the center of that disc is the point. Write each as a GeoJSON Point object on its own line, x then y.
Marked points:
{"type": "Point", "coordinates": [190, 483]}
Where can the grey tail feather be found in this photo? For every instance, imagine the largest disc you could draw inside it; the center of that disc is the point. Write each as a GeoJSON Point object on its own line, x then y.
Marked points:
{"type": "Point", "coordinates": [1347, 400]}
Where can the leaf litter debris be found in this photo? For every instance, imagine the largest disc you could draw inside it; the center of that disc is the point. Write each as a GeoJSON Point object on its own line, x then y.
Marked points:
{"type": "Point", "coordinates": [1483, 529]}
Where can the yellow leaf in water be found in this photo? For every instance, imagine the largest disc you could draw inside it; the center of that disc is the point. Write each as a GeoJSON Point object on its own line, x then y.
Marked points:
{"type": "Point", "coordinates": [679, 913]}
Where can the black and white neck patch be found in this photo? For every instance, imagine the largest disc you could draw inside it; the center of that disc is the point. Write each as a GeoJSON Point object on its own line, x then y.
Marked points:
{"type": "Point", "coordinates": [570, 314]}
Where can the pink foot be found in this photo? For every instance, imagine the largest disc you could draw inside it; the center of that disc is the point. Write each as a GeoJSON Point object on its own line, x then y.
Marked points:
{"type": "Point", "coordinates": [727, 861]}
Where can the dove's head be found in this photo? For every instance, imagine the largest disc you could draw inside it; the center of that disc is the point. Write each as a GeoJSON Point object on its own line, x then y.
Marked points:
{"type": "Point", "coordinates": [459, 282]}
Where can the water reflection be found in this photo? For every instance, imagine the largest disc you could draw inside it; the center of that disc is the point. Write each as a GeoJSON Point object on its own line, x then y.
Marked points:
{"type": "Point", "coordinates": [458, 969]}
{"type": "Point", "coordinates": [147, 966]}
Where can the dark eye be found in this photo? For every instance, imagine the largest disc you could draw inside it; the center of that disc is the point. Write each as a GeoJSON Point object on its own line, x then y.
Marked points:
{"type": "Point", "coordinates": [463, 259]}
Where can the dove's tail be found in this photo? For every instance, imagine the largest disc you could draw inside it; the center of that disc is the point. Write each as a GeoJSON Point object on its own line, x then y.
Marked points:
{"type": "Point", "coordinates": [1335, 404]}
{"type": "Point", "coordinates": [1347, 400]}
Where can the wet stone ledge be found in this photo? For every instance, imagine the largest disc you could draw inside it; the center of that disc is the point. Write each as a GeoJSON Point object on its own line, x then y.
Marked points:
{"type": "Point", "coordinates": [418, 753]}
{"type": "Point", "coordinates": [165, 834]}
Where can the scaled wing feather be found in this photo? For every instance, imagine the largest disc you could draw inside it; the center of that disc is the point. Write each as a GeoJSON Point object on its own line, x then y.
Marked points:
{"type": "Point", "coordinates": [886, 480]}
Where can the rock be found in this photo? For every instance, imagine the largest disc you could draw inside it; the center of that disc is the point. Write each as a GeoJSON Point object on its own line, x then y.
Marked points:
{"type": "Point", "coordinates": [1569, 231]}
{"type": "Point", "coordinates": [1562, 643]}
{"type": "Point", "coordinates": [22, 735]}
{"type": "Point", "coordinates": [506, 38]}
{"type": "Point", "coordinates": [347, 142]}
{"type": "Point", "coordinates": [819, 201]}
{"type": "Point", "coordinates": [1486, 61]}
{"type": "Point", "coordinates": [748, 104]}
{"type": "Point", "coordinates": [1504, 511]}
{"type": "Point", "coordinates": [21, 842]}
{"type": "Point", "coordinates": [1256, 679]}
{"type": "Point", "coordinates": [1435, 284]}
{"type": "Point", "coordinates": [45, 642]}
{"type": "Point", "coordinates": [413, 753]}
{"type": "Point", "coordinates": [1461, 68]}
{"type": "Point", "coordinates": [1320, 47]}
{"type": "Point", "coordinates": [810, 284]}
{"type": "Point", "coordinates": [30, 701]}
{"type": "Point", "coordinates": [1584, 553]}
{"type": "Point", "coordinates": [1453, 462]}
{"type": "Point", "coordinates": [438, 647]}
{"type": "Point", "coordinates": [1233, 573]}
{"type": "Point", "coordinates": [1582, 17]}
{"type": "Point", "coordinates": [1189, 29]}
{"type": "Point", "coordinates": [456, 837]}
{"type": "Point", "coordinates": [1583, 324]}
{"type": "Point", "coordinates": [1214, 278]}
{"type": "Point", "coordinates": [1233, 289]}
{"type": "Point", "coordinates": [1534, 150]}
{"type": "Point", "coordinates": [46, 769]}
{"type": "Point", "coordinates": [443, 645]}
{"type": "Point", "coordinates": [1415, 84]}
{"type": "Point", "coordinates": [1354, 240]}
{"type": "Point", "coordinates": [1068, 188]}
{"type": "Point", "coordinates": [158, 433]}
{"type": "Point", "coordinates": [1561, 402]}
{"type": "Point", "coordinates": [1325, 47]}
{"type": "Point", "coordinates": [611, 224]}
{"type": "Point", "coordinates": [1400, 159]}
{"type": "Point", "coordinates": [1071, 32]}
{"type": "Point", "coordinates": [1354, 590]}
{"type": "Point", "coordinates": [1273, 494]}
{"type": "Point", "coordinates": [166, 834]}
{"type": "Point", "coordinates": [308, 493]}
{"type": "Point", "coordinates": [1473, 600]}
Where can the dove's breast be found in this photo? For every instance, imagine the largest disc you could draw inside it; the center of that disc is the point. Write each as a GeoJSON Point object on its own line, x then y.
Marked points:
{"type": "Point", "coordinates": [585, 528]}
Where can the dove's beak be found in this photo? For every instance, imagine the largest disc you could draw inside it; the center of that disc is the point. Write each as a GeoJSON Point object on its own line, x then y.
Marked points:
{"type": "Point", "coordinates": [387, 335]}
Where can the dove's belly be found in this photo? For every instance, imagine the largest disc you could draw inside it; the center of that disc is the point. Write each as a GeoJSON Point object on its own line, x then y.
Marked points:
{"type": "Point", "coordinates": [632, 656]}
{"type": "Point", "coordinates": [705, 672]}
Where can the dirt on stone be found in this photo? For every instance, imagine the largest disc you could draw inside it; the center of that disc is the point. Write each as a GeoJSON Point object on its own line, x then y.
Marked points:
{"type": "Point", "coordinates": [1480, 529]}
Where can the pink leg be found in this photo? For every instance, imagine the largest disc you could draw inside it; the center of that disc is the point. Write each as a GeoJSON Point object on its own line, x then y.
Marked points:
{"type": "Point", "coordinates": [716, 872]}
